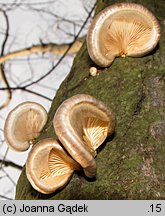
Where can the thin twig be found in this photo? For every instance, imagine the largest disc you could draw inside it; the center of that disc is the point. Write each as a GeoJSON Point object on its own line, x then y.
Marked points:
{"type": "Point", "coordinates": [2, 72]}
{"type": "Point", "coordinates": [11, 164]}
{"type": "Point", "coordinates": [57, 49]}
{"type": "Point", "coordinates": [63, 56]}
{"type": "Point", "coordinates": [54, 66]}
{"type": "Point", "coordinates": [36, 93]}
{"type": "Point", "coordinates": [4, 158]}
{"type": "Point", "coordinates": [5, 197]}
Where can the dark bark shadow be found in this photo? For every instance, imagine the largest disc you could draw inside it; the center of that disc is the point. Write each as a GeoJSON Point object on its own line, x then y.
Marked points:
{"type": "Point", "coordinates": [107, 140]}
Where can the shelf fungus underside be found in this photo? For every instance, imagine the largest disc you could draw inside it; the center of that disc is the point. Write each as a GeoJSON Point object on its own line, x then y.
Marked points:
{"type": "Point", "coordinates": [122, 29]}
{"type": "Point", "coordinates": [23, 124]}
{"type": "Point", "coordinates": [82, 123]}
{"type": "Point", "coordinates": [49, 167]}
{"type": "Point", "coordinates": [92, 126]}
{"type": "Point", "coordinates": [128, 34]}
{"type": "Point", "coordinates": [28, 125]}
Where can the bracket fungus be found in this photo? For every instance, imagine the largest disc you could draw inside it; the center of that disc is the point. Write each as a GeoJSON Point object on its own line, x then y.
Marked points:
{"type": "Point", "coordinates": [82, 123]}
{"type": "Point", "coordinates": [122, 29]}
{"type": "Point", "coordinates": [48, 167]}
{"type": "Point", "coordinates": [23, 124]}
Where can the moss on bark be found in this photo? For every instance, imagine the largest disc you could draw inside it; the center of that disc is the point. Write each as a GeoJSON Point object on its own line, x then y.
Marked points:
{"type": "Point", "coordinates": [130, 165]}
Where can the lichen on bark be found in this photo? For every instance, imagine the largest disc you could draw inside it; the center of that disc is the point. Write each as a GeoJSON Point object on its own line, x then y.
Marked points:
{"type": "Point", "coordinates": [130, 164]}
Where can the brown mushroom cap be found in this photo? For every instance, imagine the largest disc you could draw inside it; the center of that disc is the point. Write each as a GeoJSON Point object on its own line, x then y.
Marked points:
{"type": "Point", "coordinates": [23, 124]}
{"type": "Point", "coordinates": [122, 29]}
{"type": "Point", "coordinates": [82, 123]}
{"type": "Point", "coordinates": [48, 166]}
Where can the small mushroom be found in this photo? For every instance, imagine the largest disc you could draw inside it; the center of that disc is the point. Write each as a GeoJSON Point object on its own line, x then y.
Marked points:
{"type": "Point", "coordinates": [48, 167]}
{"type": "Point", "coordinates": [82, 123]}
{"type": "Point", "coordinates": [23, 124]}
{"type": "Point", "coordinates": [93, 71]}
{"type": "Point", "coordinates": [122, 29]}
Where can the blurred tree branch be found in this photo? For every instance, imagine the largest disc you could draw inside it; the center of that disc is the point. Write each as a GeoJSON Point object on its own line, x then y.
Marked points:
{"type": "Point", "coordinates": [7, 163]}
{"type": "Point", "coordinates": [56, 49]}
{"type": "Point", "coordinates": [130, 165]}
{"type": "Point", "coordinates": [2, 70]}
{"type": "Point", "coordinates": [10, 80]}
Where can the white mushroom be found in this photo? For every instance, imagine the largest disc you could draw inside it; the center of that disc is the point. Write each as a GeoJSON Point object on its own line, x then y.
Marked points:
{"type": "Point", "coordinates": [122, 29]}
{"type": "Point", "coordinates": [48, 167]}
{"type": "Point", "coordinates": [23, 124]}
{"type": "Point", "coordinates": [82, 123]}
{"type": "Point", "coordinates": [93, 71]}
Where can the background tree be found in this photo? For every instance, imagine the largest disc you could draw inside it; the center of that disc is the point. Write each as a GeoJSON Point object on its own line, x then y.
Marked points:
{"type": "Point", "coordinates": [36, 55]}
{"type": "Point", "coordinates": [131, 163]}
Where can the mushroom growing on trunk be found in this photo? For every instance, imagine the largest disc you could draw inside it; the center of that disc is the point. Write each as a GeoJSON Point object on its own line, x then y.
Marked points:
{"type": "Point", "coordinates": [48, 167]}
{"type": "Point", "coordinates": [23, 124]}
{"type": "Point", "coordinates": [122, 29]}
{"type": "Point", "coordinates": [82, 123]}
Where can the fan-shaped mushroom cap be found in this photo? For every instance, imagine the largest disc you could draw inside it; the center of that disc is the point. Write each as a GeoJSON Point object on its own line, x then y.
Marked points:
{"type": "Point", "coordinates": [82, 123]}
{"type": "Point", "coordinates": [122, 29]}
{"type": "Point", "coordinates": [23, 124]}
{"type": "Point", "coordinates": [48, 166]}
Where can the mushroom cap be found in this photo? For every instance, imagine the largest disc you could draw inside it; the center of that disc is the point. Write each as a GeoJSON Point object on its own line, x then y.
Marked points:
{"type": "Point", "coordinates": [82, 123]}
{"type": "Point", "coordinates": [23, 124]}
{"type": "Point", "coordinates": [48, 166]}
{"type": "Point", "coordinates": [122, 29]}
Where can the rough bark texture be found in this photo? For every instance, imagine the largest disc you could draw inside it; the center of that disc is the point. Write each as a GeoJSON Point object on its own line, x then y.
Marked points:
{"type": "Point", "coordinates": [131, 165]}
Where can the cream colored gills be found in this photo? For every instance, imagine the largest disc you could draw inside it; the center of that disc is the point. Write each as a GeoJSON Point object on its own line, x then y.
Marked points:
{"type": "Point", "coordinates": [122, 29]}
{"type": "Point", "coordinates": [49, 168]}
{"type": "Point", "coordinates": [23, 124]}
{"type": "Point", "coordinates": [82, 123]}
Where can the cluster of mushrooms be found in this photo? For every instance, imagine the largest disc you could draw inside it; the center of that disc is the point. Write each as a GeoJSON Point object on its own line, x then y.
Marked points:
{"type": "Point", "coordinates": [81, 122]}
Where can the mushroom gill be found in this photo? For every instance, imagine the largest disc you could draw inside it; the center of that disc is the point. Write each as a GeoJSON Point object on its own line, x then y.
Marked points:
{"type": "Point", "coordinates": [122, 29]}
{"type": "Point", "coordinates": [95, 131]}
{"type": "Point", "coordinates": [27, 125]}
{"type": "Point", "coordinates": [125, 34]}
{"type": "Point", "coordinates": [82, 123]}
{"type": "Point", "coordinates": [49, 167]}
{"type": "Point", "coordinates": [23, 124]}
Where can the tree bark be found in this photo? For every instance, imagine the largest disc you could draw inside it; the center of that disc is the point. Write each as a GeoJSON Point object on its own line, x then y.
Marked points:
{"type": "Point", "coordinates": [131, 165]}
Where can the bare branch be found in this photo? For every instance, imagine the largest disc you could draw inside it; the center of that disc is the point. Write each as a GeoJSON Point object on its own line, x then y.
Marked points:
{"type": "Point", "coordinates": [5, 197]}
{"type": "Point", "coordinates": [20, 69]}
{"type": "Point", "coordinates": [6, 85]}
{"type": "Point", "coordinates": [57, 49]}
{"type": "Point", "coordinates": [7, 163]}
{"type": "Point", "coordinates": [36, 93]}
{"type": "Point", "coordinates": [2, 73]}
{"type": "Point", "coordinates": [7, 32]}
{"type": "Point", "coordinates": [59, 61]}
{"type": "Point", "coordinates": [9, 177]}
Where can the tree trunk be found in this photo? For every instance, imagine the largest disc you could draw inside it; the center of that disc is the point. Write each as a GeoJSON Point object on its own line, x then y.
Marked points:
{"type": "Point", "coordinates": [131, 165]}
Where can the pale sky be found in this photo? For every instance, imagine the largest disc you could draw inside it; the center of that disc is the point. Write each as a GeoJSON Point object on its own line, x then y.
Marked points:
{"type": "Point", "coordinates": [27, 28]}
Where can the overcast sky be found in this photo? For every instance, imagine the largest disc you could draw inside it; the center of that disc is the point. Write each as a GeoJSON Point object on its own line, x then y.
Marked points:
{"type": "Point", "coordinates": [29, 26]}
